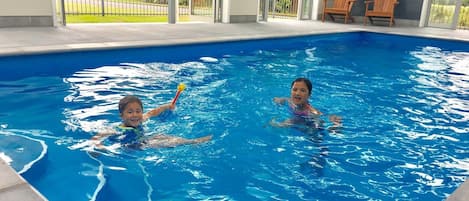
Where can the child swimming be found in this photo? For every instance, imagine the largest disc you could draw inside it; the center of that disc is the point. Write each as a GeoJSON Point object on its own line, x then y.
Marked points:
{"type": "Point", "coordinates": [130, 132]}
{"type": "Point", "coordinates": [303, 113]}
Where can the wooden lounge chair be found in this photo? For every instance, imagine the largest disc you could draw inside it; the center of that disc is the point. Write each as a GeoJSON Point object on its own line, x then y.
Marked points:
{"type": "Point", "coordinates": [381, 9]}
{"type": "Point", "coordinates": [339, 7]}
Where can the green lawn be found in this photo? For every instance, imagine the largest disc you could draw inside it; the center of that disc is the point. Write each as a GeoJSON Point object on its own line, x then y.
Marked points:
{"type": "Point", "coordinates": [117, 19]}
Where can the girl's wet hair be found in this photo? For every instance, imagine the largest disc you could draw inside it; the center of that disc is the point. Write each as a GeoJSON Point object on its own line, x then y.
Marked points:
{"type": "Point", "coordinates": [306, 81]}
{"type": "Point", "coordinates": [129, 99]}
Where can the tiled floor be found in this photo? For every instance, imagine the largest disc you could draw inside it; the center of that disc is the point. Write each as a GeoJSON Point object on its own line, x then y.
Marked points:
{"type": "Point", "coordinates": [91, 36]}
{"type": "Point", "coordinates": [14, 41]}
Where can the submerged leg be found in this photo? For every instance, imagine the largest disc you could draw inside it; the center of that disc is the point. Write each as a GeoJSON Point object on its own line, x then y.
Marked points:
{"type": "Point", "coordinates": [161, 141]}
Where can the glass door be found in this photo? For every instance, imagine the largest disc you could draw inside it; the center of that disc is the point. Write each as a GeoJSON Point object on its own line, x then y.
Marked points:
{"type": "Point", "coordinates": [463, 22]}
{"type": "Point", "coordinates": [444, 13]}
{"type": "Point", "coordinates": [306, 8]}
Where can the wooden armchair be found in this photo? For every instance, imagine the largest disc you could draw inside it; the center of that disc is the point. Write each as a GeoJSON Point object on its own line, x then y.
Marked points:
{"type": "Point", "coordinates": [339, 7]}
{"type": "Point", "coordinates": [381, 9]}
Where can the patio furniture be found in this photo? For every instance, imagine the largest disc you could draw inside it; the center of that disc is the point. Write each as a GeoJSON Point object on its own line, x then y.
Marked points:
{"type": "Point", "coordinates": [380, 9]}
{"type": "Point", "coordinates": [339, 7]}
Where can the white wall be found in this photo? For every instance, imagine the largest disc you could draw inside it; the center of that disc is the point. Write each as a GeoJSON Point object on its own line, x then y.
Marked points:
{"type": "Point", "coordinates": [244, 7]}
{"type": "Point", "coordinates": [26, 8]}
{"type": "Point", "coordinates": [21, 13]}
{"type": "Point", "coordinates": [226, 11]}
{"type": "Point", "coordinates": [238, 11]}
{"type": "Point", "coordinates": [424, 13]}
{"type": "Point", "coordinates": [316, 10]}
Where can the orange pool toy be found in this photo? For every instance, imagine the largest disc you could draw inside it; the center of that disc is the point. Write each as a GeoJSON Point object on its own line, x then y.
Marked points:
{"type": "Point", "coordinates": [181, 88]}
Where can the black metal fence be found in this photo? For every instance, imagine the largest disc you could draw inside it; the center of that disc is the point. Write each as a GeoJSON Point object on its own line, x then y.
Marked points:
{"type": "Point", "coordinates": [285, 9]}
{"type": "Point", "coordinates": [135, 7]}
{"type": "Point", "coordinates": [196, 7]}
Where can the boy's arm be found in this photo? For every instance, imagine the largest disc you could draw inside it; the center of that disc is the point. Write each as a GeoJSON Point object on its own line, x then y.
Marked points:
{"type": "Point", "coordinates": [157, 111]}
{"type": "Point", "coordinates": [100, 136]}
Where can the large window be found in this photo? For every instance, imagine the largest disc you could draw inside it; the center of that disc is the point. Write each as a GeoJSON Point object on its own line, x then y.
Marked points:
{"type": "Point", "coordinates": [449, 14]}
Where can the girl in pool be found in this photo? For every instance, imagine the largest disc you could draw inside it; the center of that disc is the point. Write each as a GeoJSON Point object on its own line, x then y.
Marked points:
{"type": "Point", "coordinates": [302, 112]}
{"type": "Point", "coordinates": [130, 132]}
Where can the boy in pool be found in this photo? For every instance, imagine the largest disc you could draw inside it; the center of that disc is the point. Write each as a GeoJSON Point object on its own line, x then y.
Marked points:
{"type": "Point", "coordinates": [130, 132]}
{"type": "Point", "coordinates": [303, 112]}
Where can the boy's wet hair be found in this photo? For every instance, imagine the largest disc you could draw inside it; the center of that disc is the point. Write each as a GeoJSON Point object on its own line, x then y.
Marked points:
{"type": "Point", "coordinates": [306, 81]}
{"type": "Point", "coordinates": [129, 99]}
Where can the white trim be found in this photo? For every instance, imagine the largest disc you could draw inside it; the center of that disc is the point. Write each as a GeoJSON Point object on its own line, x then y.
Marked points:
{"type": "Point", "coordinates": [300, 10]}
{"type": "Point", "coordinates": [315, 9]}
{"type": "Point", "coordinates": [226, 11]}
{"type": "Point", "coordinates": [54, 13]}
{"type": "Point", "coordinates": [457, 12]}
{"type": "Point", "coordinates": [425, 13]}
{"type": "Point", "coordinates": [173, 11]}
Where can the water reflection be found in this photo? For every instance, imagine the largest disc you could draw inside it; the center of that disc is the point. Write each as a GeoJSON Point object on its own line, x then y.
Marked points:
{"type": "Point", "coordinates": [94, 93]}
{"type": "Point", "coordinates": [443, 78]}
{"type": "Point", "coordinates": [438, 110]}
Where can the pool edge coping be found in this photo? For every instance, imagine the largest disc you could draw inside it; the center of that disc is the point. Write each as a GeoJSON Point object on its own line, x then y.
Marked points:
{"type": "Point", "coordinates": [77, 47]}
{"type": "Point", "coordinates": [14, 187]}
{"type": "Point", "coordinates": [113, 45]}
{"type": "Point", "coordinates": [461, 193]}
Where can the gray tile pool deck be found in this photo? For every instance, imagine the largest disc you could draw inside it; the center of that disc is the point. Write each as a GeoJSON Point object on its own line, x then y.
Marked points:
{"type": "Point", "coordinates": [93, 36]}
{"type": "Point", "coordinates": [75, 37]}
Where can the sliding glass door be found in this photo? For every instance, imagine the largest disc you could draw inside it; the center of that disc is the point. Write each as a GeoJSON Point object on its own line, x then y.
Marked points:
{"type": "Point", "coordinates": [463, 21]}
{"type": "Point", "coordinates": [306, 9]}
{"type": "Point", "coordinates": [450, 14]}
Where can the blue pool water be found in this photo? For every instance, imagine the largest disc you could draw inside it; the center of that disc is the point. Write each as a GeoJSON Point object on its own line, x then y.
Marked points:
{"type": "Point", "coordinates": [403, 100]}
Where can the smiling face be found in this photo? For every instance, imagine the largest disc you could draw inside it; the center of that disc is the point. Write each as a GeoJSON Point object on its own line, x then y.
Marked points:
{"type": "Point", "coordinates": [299, 93]}
{"type": "Point", "coordinates": [132, 115]}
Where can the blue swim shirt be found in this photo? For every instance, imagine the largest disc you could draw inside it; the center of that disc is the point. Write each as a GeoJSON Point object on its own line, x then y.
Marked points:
{"type": "Point", "coordinates": [127, 135]}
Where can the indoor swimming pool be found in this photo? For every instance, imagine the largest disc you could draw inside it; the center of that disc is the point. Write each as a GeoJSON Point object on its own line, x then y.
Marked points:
{"type": "Point", "coordinates": [403, 102]}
